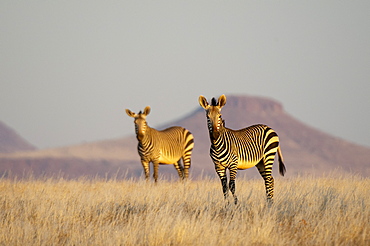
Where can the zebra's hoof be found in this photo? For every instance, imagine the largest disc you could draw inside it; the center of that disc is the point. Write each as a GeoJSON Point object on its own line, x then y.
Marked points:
{"type": "Point", "coordinates": [270, 202]}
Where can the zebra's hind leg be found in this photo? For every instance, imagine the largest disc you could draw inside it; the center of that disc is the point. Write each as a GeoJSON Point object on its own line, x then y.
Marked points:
{"type": "Point", "coordinates": [187, 162]}
{"type": "Point", "coordinates": [269, 183]}
{"type": "Point", "coordinates": [180, 169]}
{"type": "Point", "coordinates": [269, 180]}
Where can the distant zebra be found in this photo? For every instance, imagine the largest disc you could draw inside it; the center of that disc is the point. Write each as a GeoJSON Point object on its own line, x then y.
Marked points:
{"type": "Point", "coordinates": [162, 147]}
{"type": "Point", "coordinates": [241, 149]}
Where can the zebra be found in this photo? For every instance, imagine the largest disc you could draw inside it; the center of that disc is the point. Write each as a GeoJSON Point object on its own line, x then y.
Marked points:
{"type": "Point", "coordinates": [168, 146]}
{"type": "Point", "coordinates": [230, 149]}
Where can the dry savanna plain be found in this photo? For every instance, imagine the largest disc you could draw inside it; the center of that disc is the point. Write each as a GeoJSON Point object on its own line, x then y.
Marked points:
{"type": "Point", "coordinates": [334, 210]}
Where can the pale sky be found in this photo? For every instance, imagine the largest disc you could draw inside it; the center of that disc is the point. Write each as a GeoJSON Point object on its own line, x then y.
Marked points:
{"type": "Point", "coordinates": [68, 69]}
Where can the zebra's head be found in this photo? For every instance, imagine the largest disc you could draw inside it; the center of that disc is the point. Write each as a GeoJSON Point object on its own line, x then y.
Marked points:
{"type": "Point", "coordinates": [140, 121]}
{"type": "Point", "coordinates": [213, 113]}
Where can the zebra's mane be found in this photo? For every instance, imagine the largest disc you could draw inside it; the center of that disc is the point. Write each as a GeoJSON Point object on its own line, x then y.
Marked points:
{"type": "Point", "coordinates": [213, 102]}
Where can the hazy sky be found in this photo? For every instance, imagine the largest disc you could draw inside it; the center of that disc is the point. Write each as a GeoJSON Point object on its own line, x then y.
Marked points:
{"type": "Point", "coordinates": [68, 69]}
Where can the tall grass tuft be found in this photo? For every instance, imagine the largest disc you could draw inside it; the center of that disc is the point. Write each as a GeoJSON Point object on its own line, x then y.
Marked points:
{"type": "Point", "coordinates": [306, 211]}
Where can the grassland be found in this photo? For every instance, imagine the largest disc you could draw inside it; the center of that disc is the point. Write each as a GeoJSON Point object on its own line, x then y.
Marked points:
{"type": "Point", "coordinates": [307, 211]}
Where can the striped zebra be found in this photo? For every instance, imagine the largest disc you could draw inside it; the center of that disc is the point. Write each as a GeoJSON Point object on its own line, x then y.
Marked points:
{"type": "Point", "coordinates": [162, 147]}
{"type": "Point", "coordinates": [241, 149]}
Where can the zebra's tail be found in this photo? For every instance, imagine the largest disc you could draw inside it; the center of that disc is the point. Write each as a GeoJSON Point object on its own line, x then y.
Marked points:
{"type": "Point", "coordinates": [282, 169]}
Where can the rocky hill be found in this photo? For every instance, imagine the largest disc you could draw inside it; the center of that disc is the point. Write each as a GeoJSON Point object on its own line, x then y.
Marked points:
{"type": "Point", "coordinates": [306, 150]}
{"type": "Point", "coordinates": [10, 141]}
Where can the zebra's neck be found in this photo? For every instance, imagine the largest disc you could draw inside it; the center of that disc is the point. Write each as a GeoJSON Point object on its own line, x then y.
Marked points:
{"type": "Point", "coordinates": [144, 137]}
{"type": "Point", "coordinates": [215, 134]}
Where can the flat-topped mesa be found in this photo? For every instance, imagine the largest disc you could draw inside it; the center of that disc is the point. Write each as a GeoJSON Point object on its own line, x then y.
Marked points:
{"type": "Point", "coordinates": [252, 104]}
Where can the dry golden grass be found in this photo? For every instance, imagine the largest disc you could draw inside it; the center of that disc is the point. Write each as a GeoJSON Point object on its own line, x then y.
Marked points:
{"type": "Point", "coordinates": [306, 211]}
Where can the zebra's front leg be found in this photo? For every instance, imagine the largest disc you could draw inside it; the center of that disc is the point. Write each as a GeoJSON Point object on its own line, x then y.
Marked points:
{"type": "Point", "coordinates": [155, 170]}
{"type": "Point", "coordinates": [146, 169]}
{"type": "Point", "coordinates": [221, 171]}
{"type": "Point", "coordinates": [233, 172]}
{"type": "Point", "coordinates": [225, 189]}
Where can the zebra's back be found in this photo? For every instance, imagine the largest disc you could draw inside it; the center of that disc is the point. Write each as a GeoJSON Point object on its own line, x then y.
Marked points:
{"type": "Point", "coordinates": [174, 143]}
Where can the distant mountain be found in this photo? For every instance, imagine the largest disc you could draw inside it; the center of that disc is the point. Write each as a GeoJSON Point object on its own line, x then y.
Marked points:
{"type": "Point", "coordinates": [11, 142]}
{"type": "Point", "coordinates": [306, 150]}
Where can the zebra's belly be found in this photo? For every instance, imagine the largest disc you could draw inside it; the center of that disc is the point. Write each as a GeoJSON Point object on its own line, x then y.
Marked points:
{"type": "Point", "coordinates": [166, 159]}
{"type": "Point", "coordinates": [246, 164]}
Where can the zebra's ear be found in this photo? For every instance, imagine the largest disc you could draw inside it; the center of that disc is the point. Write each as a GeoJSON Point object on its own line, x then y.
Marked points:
{"type": "Point", "coordinates": [146, 110]}
{"type": "Point", "coordinates": [130, 113]}
{"type": "Point", "coordinates": [221, 101]}
{"type": "Point", "coordinates": [203, 102]}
